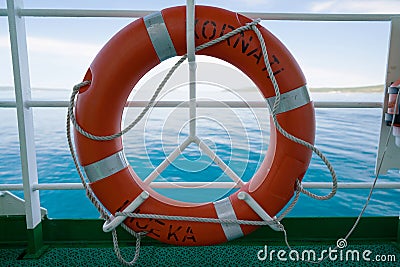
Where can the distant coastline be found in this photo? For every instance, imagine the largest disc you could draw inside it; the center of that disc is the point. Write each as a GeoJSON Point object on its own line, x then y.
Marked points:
{"type": "Point", "coordinates": [9, 88]}
{"type": "Point", "coordinates": [360, 89]}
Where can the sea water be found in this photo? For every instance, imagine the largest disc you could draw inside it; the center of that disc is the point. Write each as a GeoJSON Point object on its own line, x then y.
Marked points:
{"type": "Point", "coordinates": [348, 137]}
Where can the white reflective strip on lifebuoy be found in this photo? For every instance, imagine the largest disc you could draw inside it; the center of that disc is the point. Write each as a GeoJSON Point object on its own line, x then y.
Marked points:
{"type": "Point", "coordinates": [225, 210]}
{"type": "Point", "coordinates": [106, 167]}
{"type": "Point", "coordinates": [291, 100]}
{"type": "Point", "coordinates": [159, 36]}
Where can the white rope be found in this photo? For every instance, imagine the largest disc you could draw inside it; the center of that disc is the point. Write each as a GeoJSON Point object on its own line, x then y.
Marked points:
{"type": "Point", "coordinates": [118, 251]}
{"type": "Point", "coordinates": [155, 95]}
{"type": "Point", "coordinates": [71, 118]}
{"type": "Point", "coordinates": [104, 212]}
{"type": "Point", "coordinates": [288, 135]}
{"type": "Point", "coordinates": [396, 105]}
{"type": "Point", "coordinates": [134, 122]}
{"type": "Point", "coordinates": [88, 190]}
{"type": "Point", "coordinates": [294, 202]}
{"type": "Point", "coordinates": [197, 219]}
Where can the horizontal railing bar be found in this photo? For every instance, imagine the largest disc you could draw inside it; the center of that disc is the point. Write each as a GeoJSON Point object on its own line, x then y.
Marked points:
{"type": "Point", "coordinates": [89, 13]}
{"type": "Point", "coordinates": [7, 104]}
{"type": "Point", "coordinates": [82, 13]}
{"type": "Point", "coordinates": [347, 104]}
{"type": "Point", "coordinates": [309, 185]}
{"type": "Point", "coordinates": [57, 186]}
{"type": "Point", "coordinates": [195, 185]}
{"type": "Point", "coordinates": [351, 185]}
{"type": "Point", "coordinates": [174, 185]}
{"type": "Point", "coordinates": [47, 103]}
{"type": "Point", "coordinates": [200, 104]}
{"type": "Point", "coordinates": [4, 187]}
{"type": "Point", "coordinates": [140, 13]}
{"type": "Point", "coordinates": [319, 17]}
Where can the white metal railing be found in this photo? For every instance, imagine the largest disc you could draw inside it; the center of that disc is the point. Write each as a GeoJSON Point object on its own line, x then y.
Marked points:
{"type": "Point", "coordinates": [89, 13]}
{"type": "Point", "coordinates": [199, 104]}
{"type": "Point", "coordinates": [191, 185]}
{"type": "Point", "coordinates": [16, 13]}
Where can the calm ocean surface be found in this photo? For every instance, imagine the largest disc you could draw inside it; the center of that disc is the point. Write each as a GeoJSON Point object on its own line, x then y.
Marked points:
{"type": "Point", "coordinates": [348, 137]}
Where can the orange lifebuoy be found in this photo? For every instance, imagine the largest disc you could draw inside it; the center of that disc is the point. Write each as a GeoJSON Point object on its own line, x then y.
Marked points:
{"type": "Point", "coordinates": [135, 50]}
{"type": "Point", "coordinates": [392, 110]}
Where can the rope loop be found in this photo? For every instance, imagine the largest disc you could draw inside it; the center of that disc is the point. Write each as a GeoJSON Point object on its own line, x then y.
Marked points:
{"type": "Point", "coordinates": [117, 250]}
{"type": "Point", "coordinates": [284, 132]}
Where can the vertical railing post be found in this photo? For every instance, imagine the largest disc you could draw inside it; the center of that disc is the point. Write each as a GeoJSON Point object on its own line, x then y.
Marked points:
{"type": "Point", "coordinates": [391, 160]}
{"type": "Point", "coordinates": [25, 124]}
{"type": "Point", "coordinates": [190, 17]}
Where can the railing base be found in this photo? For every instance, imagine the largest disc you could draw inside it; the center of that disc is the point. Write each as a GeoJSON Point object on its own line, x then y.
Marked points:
{"type": "Point", "coordinates": [36, 247]}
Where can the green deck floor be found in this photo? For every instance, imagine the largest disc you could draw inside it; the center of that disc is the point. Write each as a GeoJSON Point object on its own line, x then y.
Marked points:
{"type": "Point", "coordinates": [82, 243]}
{"type": "Point", "coordinates": [201, 256]}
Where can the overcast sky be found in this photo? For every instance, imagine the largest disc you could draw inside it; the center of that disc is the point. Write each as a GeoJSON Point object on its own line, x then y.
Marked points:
{"type": "Point", "coordinates": [331, 54]}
